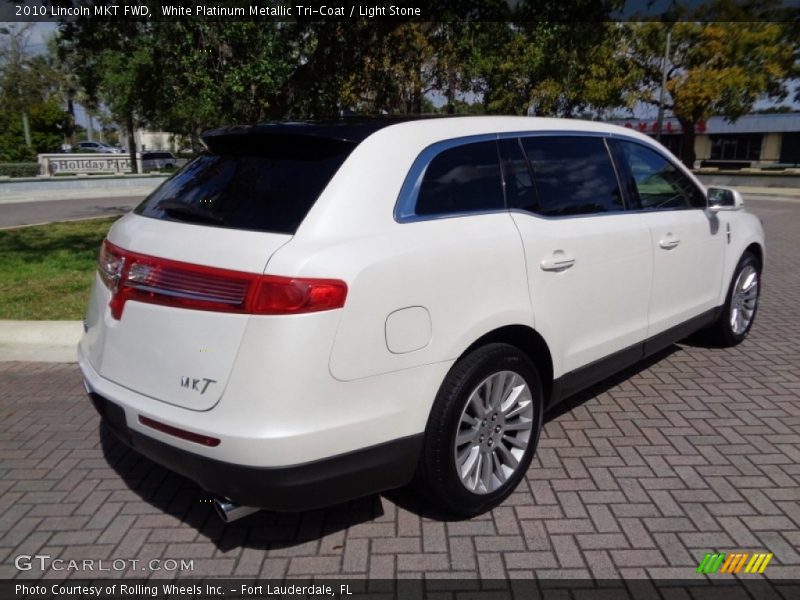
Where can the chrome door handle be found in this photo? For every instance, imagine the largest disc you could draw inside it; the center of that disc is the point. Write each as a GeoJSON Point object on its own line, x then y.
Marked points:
{"type": "Point", "coordinates": [557, 261]}
{"type": "Point", "coordinates": [669, 241]}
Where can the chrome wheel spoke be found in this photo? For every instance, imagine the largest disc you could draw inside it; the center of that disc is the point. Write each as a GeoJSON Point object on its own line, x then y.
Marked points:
{"type": "Point", "coordinates": [477, 404]}
{"type": "Point", "coordinates": [462, 457]}
{"type": "Point", "coordinates": [466, 436]}
{"type": "Point", "coordinates": [469, 420]}
{"type": "Point", "coordinates": [472, 463]}
{"type": "Point", "coordinates": [744, 299]}
{"type": "Point", "coordinates": [514, 396]}
{"type": "Point", "coordinates": [494, 431]}
{"type": "Point", "coordinates": [498, 388]}
{"type": "Point", "coordinates": [508, 456]}
{"type": "Point", "coordinates": [515, 442]}
{"type": "Point", "coordinates": [486, 472]}
{"type": "Point", "coordinates": [499, 471]}
{"type": "Point", "coordinates": [519, 425]}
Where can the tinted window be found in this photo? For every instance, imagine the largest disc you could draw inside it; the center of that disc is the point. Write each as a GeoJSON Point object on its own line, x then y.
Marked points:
{"type": "Point", "coordinates": [271, 186]}
{"type": "Point", "coordinates": [658, 183]}
{"type": "Point", "coordinates": [462, 179]}
{"type": "Point", "coordinates": [520, 190]}
{"type": "Point", "coordinates": [573, 175]}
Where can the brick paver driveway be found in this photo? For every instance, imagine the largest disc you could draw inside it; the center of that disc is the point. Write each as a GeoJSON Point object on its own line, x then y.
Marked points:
{"type": "Point", "coordinates": [693, 451]}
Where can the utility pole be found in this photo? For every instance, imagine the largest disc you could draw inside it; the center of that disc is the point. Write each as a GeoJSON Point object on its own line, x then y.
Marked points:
{"type": "Point", "coordinates": [26, 128]}
{"type": "Point", "coordinates": [660, 122]}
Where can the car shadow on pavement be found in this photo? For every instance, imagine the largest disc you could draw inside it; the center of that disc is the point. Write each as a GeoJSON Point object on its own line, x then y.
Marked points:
{"type": "Point", "coordinates": [176, 497]}
{"type": "Point", "coordinates": [413, 502]}
{"type": "Point", "coordinates": [606, 384]}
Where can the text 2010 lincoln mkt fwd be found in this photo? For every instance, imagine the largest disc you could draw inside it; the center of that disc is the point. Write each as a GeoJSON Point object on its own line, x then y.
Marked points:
{"type": "Point", "coordinates": [312, 312]}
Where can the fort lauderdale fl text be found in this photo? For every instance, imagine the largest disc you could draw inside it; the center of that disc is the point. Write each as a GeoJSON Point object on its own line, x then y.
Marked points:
{"type": "Point", "coordinates": [213, 10]}
{"type": "Point", "coordinates": [170, 589]}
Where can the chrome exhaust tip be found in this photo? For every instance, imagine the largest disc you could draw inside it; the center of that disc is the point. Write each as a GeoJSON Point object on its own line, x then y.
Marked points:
{"type": "Point", "coordinates": [230, 512]}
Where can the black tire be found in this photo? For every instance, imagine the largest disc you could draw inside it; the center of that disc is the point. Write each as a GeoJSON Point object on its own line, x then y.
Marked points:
{"type": "Point", "coordinates": [722, 333]}
{"type": "Point", "coordinates": [437, 475]}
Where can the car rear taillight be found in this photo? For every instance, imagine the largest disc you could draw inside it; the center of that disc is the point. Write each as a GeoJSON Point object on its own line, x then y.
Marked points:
{"type": "Point", "coordinates": [153, 280]}
{"type": "Point", "coordinates": [109, 265]}
{"type": "Point", "coordinates": [284, 295]}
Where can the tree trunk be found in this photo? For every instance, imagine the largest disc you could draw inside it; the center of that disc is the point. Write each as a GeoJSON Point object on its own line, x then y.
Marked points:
{"type": "Point", "coordinates": [131, 143]}
{"type": "Point", "coordinates": [26, 129]}
{"type": "Point", "coordinates": [451, 90]}
{"type": "Point", "coordinates": [687, 146]}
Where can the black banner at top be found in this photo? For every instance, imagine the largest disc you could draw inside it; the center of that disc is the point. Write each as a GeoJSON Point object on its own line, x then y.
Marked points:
{"type": "Point", "coordinates": [403, 10]}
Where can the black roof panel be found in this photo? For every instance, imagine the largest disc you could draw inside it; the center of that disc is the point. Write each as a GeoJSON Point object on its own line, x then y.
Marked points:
{"type": "Point", "coordinates": [353, 130]}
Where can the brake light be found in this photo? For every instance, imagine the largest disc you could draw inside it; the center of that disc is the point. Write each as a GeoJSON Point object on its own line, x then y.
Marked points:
{"type": "Point", "coordinates": [282, 295]}
{"type": "Point", "coordinates": [153, 280]}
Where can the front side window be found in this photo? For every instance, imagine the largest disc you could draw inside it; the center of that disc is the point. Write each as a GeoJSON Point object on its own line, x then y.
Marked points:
{"type": "Point", "coordinates": [573, 175]}
{"type": "Point", "coordinates": [659, 184]}
{"type": "Point", "coordinates": [463, 179]}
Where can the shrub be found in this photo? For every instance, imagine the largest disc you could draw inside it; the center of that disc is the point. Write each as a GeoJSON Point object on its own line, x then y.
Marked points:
{"type": "Point", "coordinates": [19, 169]}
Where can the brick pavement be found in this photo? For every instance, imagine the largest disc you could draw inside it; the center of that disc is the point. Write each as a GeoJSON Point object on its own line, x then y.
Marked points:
{"type": "Point", "coordinates": [692, 451]}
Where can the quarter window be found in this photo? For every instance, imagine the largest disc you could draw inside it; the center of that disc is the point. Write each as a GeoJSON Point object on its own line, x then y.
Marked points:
{"type": "Point", "coordinates": [573, 176]}
{"type": "Point", "coordinates": [460, 180]}
{"type": "Point", "coordinates": [658, 183]}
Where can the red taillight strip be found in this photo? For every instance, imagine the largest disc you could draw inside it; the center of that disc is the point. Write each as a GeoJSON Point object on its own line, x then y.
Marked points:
{"type": "Point", "coordinates": [154, 280]}
{"type": "Point", "coordinates": [197, 438]}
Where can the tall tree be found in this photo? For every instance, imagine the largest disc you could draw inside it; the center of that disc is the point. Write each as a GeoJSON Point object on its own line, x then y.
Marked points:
{"type": "Point", "coordinates": [550, 68]}
{"type": "Point", "coordinates": [113, 62]}
{"type": "Point", "coordinates": [31, 118]}
{"type": "Point", "coordinates": [714, 68]}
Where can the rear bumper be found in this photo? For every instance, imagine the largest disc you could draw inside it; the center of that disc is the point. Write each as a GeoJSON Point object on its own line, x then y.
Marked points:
{"type": "Point", "coordinates": [301, 487]}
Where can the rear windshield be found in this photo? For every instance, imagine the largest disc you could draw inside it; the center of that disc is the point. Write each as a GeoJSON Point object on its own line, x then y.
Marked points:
{"type": "Point", "coordinates": [262, 184]}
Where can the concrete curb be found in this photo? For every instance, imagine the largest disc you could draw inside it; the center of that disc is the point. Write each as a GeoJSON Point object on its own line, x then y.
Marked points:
{"type": "Point", "coordinates": [43, 341]}
{"type": "Point", "coordinates": [49, 196]}
{"type": "Point", "coordinates": [768, 191]}
{"type": "Point", "coordinates": [43, 189]}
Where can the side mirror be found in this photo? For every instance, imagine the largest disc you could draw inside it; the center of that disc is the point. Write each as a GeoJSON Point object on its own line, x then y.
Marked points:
{"type": "Point", "coordinates": [720, 198]}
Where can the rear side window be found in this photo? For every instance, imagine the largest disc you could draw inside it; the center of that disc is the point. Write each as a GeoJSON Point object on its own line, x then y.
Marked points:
{"type": "Point", "coordinates": [573, 176]}
{"type": "Point", "coordinates": [263, 184]}
{"type": "Point", "coordinates": [461, 180]}
{"type": "Point", "coordinates": [658, 184]}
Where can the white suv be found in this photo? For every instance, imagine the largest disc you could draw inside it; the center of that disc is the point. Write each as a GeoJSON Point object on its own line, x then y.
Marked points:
{"type": "Point", "coordinates": [309, 313]}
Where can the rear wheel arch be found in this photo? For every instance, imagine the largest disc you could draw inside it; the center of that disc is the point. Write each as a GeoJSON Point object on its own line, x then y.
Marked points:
{"type": "Point", "coordinates": [530, 342]}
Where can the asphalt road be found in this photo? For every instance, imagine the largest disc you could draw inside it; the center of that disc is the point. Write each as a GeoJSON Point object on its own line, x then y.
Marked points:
{"type": "Point", "coordinates": [51, 211]}
{"type": "Point", "coordinates": [34, 213]}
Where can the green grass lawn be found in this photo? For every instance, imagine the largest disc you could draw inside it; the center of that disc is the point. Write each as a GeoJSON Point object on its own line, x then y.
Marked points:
{"type": "Point", "coordinates": [46, 270]}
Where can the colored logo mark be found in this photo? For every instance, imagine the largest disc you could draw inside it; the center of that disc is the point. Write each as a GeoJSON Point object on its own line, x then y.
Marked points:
{"type": "Point", "coordinates": [733, 563]}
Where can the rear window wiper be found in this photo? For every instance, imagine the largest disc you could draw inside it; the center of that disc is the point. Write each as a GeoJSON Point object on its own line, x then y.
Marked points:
{"type": "Point", "coordinates": [187, 212]}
